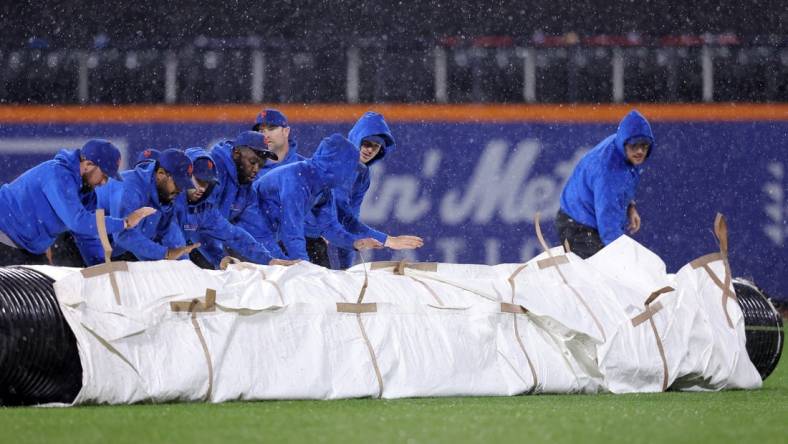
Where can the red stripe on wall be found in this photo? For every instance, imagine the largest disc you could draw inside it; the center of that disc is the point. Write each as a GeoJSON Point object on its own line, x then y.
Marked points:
{"type": "Point", "coordinates": [607, 113]}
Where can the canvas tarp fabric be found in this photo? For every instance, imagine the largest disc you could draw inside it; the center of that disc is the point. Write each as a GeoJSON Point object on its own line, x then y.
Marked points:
{"type": "Point", "coordinates": [617, 322]}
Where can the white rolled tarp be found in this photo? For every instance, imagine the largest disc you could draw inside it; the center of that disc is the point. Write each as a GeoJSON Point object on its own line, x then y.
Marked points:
{"type": "Point", "coordinates": [169, 331]}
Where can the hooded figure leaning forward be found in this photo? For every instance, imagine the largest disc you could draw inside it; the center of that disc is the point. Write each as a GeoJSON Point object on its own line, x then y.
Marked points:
{"type": "Point", "coordinates": [598, 201]}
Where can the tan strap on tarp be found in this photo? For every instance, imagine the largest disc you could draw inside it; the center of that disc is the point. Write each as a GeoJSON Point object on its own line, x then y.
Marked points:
{"type": "Point", "coordinates": [721, 233]}
{"type": "Point", "coordinates": [513, 308]}
{"type": "Point", "coordinates": [111, 349]}
{"type": "Point", "coordinates": [726, 292]}
{"type": "Point", "coordinates": [539, 235]}
{"type": "Point", "coordinates": [364, 286]}
{"type": "Point", "coordinates": [429, 289]}
{"type": "Point", "coordinates": [372, 356]}
{"type": "Point", "coordinates": [651, 308]}
{"type": "Point", "coordinates": [511, 278]}
{"type": "Point", "coordinates": [400, 266]}
{"type": "Point", "coordinates": [358, 309]}
{"type": "Point", "coordinates": [108, 268]}
{"type": "Point", "coordinates": [226, 261]}
{"type": "Point", "coordinates": [703, 260]}
{"type": "Point", "coordinates": [347, 307]}
{"type": "Point", "coordinates": [661, 350]}
{"type": "Point", "coordinates": [525, 352]}
{"type": "Point", "coordinates": [102, 269]}
{"type": "Point", "coordinates": [655, 294]}
{"type": "Point", "coordinates": [650, 311]}
{"type": "Point", "coordinates": [101, 227]}
{"type": "Point", "coordinates": [566, 246]}
{"type": "Point", "coordinates": [207, 304]}
{"type": "Point", "coordinates": [194, 306]}
{"type": "Point", "coordinates": [563, 278]}
{"type": "Point", "coordinates": [552, 261]}
{"type": "Point", "coordinates": [363, 291]}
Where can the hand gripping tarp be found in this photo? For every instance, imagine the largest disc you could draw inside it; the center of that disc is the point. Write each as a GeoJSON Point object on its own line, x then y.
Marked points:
{"type": "Point", "coordinates": [617, 322]}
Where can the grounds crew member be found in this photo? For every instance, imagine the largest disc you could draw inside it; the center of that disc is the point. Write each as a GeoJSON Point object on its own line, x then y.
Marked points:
{"type": "Point", "coordinates": [68, 252]}
{"type": "Point", "coordinates": [56, 196]}
{"type": "Point", "coordinates": [289, 193]}
{"type": "Point", "coordinates": [276, 131]}
{"type": "Point", "coordinates": [272, 124]}
{"type": "Point", "coordinates": [155, 184]}
{"type": "Point", "coordinates": [597, 203]}
{"type": "Point", "coordinates": [372, 136]}
{"type": "Point", "coordinates": [237, 164]}
{"type": "Point", "coordinates": [202, 224]}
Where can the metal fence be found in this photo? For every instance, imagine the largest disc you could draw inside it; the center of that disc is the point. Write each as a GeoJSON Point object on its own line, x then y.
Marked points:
{"type": "Point", "coordinates": [334, 74]}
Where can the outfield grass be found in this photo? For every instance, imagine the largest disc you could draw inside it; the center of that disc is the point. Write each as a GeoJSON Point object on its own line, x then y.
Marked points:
{"type": "Point", "coordinates": [739, 416]}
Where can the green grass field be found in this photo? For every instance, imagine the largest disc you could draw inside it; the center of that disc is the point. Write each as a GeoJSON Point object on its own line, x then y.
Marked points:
{"type": "Point", "coordinates": [738, 416]}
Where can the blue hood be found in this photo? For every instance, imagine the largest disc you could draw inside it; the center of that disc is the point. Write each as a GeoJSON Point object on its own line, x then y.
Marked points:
{"type": "Point", "coordinates": [371, 124]}
{"type": "Point", "coordinates": [335, 161]}
{"type": "Point", "coordinates": [222, 154]}
{"type": "Point", "coordinates": [633, 125]}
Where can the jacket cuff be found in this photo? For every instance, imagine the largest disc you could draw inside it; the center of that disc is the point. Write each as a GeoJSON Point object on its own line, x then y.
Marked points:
{"type": "Point", "coordinates": [114, 224]}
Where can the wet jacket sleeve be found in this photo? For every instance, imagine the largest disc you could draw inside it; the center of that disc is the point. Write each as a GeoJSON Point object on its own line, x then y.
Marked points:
{"type": "Point", "coordinates": [133, 239]}
{"type": "Point", "coordinates": [64, 199]}
{"type": "Point", "coordinates": [608, 210]}
{"type": "Point", "coordinates": [333, 231]}
{"type": "Point", "coordinates": [349, 209]}
{"type": "Point", "coordinates": [349, 215]}
{"type": "Point", "coordinates": [216, 229]}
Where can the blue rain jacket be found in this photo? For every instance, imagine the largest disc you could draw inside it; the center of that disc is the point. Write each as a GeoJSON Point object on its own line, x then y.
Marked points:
{"type": "Point", "coordinates": [251, 220]}
{"type": "Point", "coordinates": [349, 199]}
{"type": "Point", "coordinates": [288, 194]}
{"type": "Point", "coordinates": [46, 201]}
{"type": "Point", "coordinates": [292, 156]}
{"type": "Point", "coordinates": [603, 183]}
{"type": "Point", "coordinates": [155, 234]}
{"type": "Point", "coordinates": [201, 222]}
{"type": "Point", "coordinates": [232, 198]}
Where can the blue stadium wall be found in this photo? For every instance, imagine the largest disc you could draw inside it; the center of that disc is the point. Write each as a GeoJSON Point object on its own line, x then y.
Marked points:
{"type": "Point", "coordinates": [470, 179]}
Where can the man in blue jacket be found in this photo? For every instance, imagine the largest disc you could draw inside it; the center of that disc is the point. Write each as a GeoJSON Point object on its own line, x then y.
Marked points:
{"type": "Point", "coordinates": [56, 196]}
{"type": "Point", "coordinates": [155, 184]}
{"type": "Point", "coordinates": [68, 252]}
{"type": "Point", "coordinates": [274, 127]}
{"type": "Point", "coordinates": [237, 164]}
{"type": "Point", "coordinates": [272, 124]}
{"type": "Point", "coordinates": [202, 224]}
{"type": "Point", "coordinates": [276, 131]}
{"type": "Point", "coordinates": [372, 136]}
{"type": "Point", "coordinates": [597, 203]}
{"type": "Point", "coordinates": [289, 193]}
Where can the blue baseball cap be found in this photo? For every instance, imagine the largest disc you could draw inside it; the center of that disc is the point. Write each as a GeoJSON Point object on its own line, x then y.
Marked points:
{"type": "Point", "coordinates": [179, 166]}
{"type": "Point", "coordinates": [204, 169]}
{"type": "Point", "coordinates": [270, 116]}
{"type": "Point", "coordinates": [149, 155]}
{"type": "Point", "coordinates": [636, 140]}
{"type": "Point", "coordinates": [104, 154]}
{"type": "Point", "coordinates": [256, 141]}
